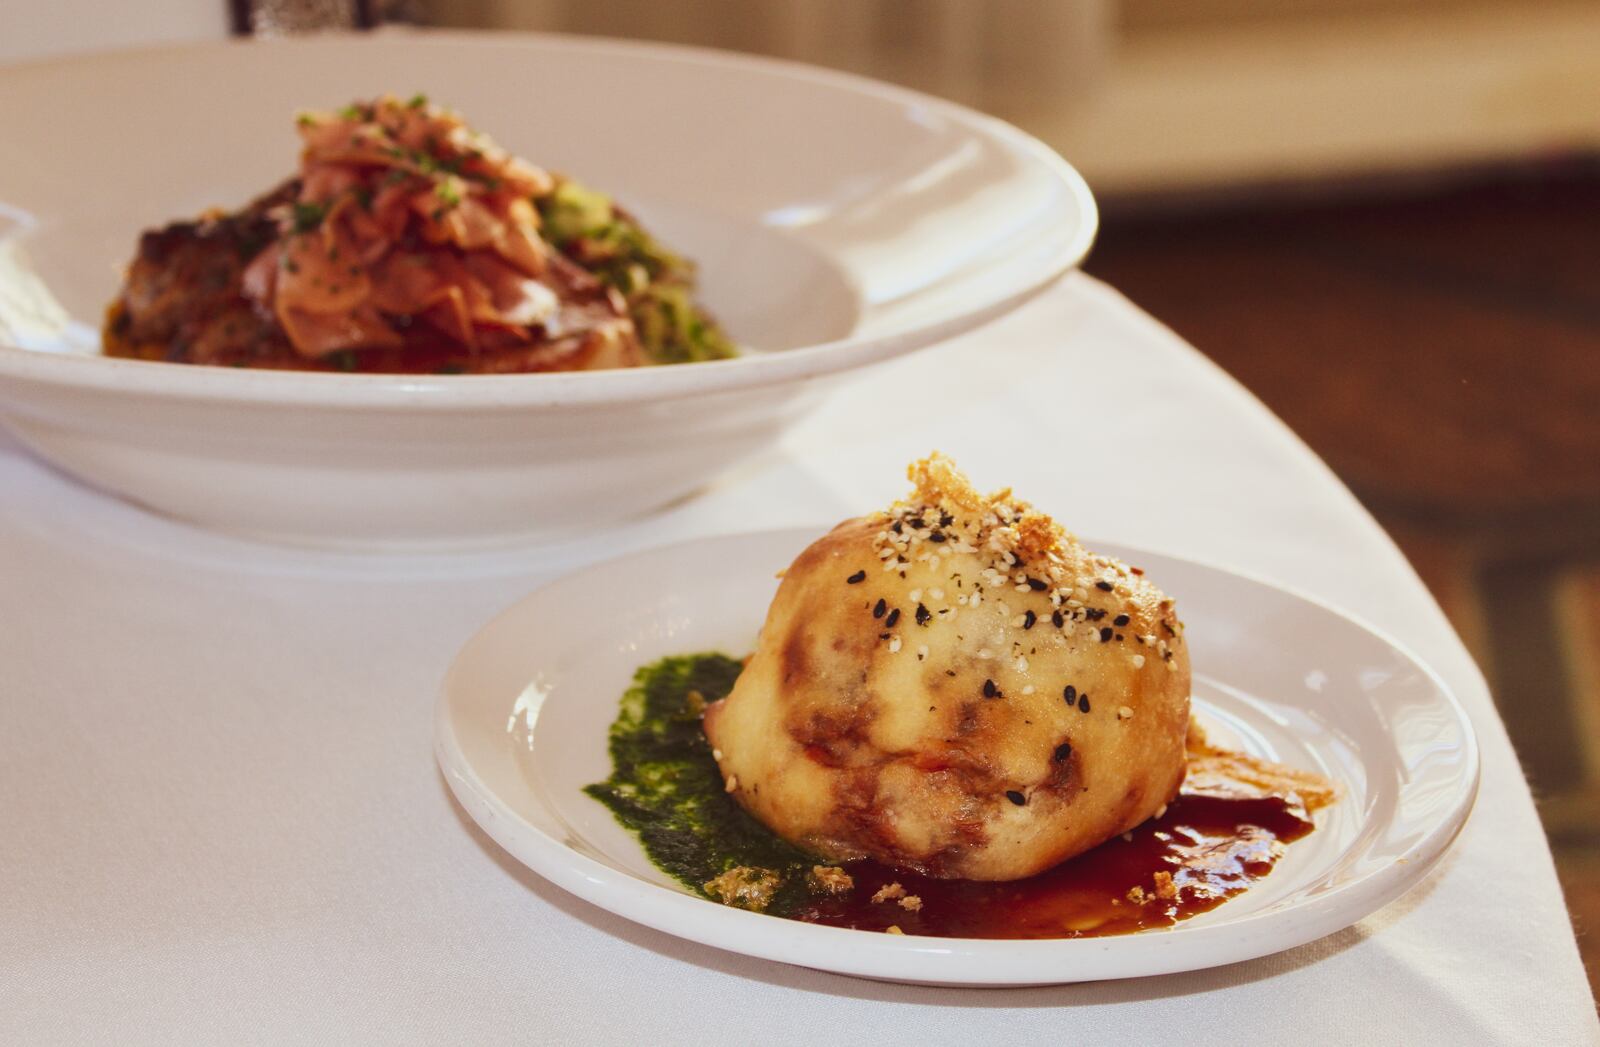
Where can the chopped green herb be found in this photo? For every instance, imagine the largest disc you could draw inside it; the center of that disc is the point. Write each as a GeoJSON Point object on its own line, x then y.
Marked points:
{"type": "Point", "coordinates": [666, 789]}
{"type": "Point", "coordinates": [657, 284]}
{"type": "Point", "coordinates": [308, 215]}
{"type": "Point", "coordinates": [418, 100]}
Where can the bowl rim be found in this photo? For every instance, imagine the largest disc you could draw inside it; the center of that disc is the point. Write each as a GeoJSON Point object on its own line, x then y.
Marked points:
{"type": "Point", "coordinates": [95, 372]}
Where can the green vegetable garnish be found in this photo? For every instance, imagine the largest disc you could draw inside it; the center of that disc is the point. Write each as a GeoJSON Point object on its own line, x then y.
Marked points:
{"type": "Point", "coordinates": [657, 284]}
{"type": "Point", "coordinates": [308, 215]}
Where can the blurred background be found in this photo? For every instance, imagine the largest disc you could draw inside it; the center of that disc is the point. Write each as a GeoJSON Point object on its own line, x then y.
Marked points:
{"type": "Point", "coordinates": [1382, 216]}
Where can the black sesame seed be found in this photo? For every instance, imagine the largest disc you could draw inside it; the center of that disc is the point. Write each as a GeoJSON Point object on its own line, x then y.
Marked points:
{"type": "Point", "coordinates": [1070, 694]}
{"type": "Point", "coordinates": [1103, 586]}
{"type": "Point", "coordinates": [1036, 585]}
{"type": "Point", "coordinates": [879, 608]}
{"type": "Point", "coordinates": [1063, 751]}
{"type": "Point", "coordinates": [949, 672]}
{"type": "Point", "coordinates": [1105, 634]}
{"type": "Point", "coordinates": [883, 636]}
{"type": "Point", "coordinates": [1083, 702]}
{"type": "Point", "coordinates": [923, 615]}
{"type": "Point", "coordinates": [894, 616]}
{"type": "Point", "coordinates": [859, 576]}
{"type": "Point", "coordinates": [1028, 618]}
{"type": "Point", "coordinates": [1170, 630]}
{"type": "Point", "coordinates": [945, 519]}
{"type": "Point", "coordinates": [1016, 797]}
{"type": "Point", "coordinates": [1120, 619]}
{"type": "Point", "coordinates": [936, 536]}
{"type": "Point", "coordinates": [1094, 614]}
{"type": "Point", "coordinates": [990, 690]}
{"type": "Point", "coordinates": [1057, 620]}
{"type": "Point", "coordinates": [1119, 637]}
{"type": "Point", "coordinates": [897, 527]}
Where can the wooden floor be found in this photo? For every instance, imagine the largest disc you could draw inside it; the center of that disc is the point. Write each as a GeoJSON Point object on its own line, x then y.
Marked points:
{"type": "Point", "coordinates": [1438, 343]}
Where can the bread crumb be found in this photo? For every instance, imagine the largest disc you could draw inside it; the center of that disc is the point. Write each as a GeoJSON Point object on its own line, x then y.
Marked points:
{"type": "Point", "coordinates": [829, 879]}
{"type": "Point", "coordinates": [893, 929]}
{"type": "Point", "coordinates": [1136, 895]}
{"type": "Point", "coordinates": [1166, 890]}
{"type": "Point", "coordinates": [744, 887]}
{"type": "Point", "coordinates": [889, 892]}
{"type": "Point", "coordinates": [911, 903]}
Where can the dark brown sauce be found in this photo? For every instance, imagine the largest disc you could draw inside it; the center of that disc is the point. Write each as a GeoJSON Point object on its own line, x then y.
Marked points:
{"type": "Point", "coordinates": [1213, 847]}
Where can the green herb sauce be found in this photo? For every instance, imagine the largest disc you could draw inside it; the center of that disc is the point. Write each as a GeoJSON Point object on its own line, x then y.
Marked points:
{"type": "Point", "coordinates": [666, 789]}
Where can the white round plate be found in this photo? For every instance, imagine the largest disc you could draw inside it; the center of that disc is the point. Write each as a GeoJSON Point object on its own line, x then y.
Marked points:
{"type": "Point", "coordinates": [525, 708]}
{"type": "Point", "coordinates": [836, 222]}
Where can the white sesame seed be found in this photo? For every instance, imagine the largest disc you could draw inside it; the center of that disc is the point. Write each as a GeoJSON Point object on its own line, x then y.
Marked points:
{"type": "Point", "coordinates": [922, 652]}
{"type": "Point", "coordinates": [1124, 713]}
{"type": "Point", "coordinates": [936, 593]}
{"type": "Point", "coordinates": [894, 644]}
{"type": "Point", "coordinates": [915, 595]}
{"type": "Point", "coordinates": [1138, 661]}
{"type": "Point", "coordinates": [1021, 665]}
{"type": "Point", "coordinates": [716, 754]}
{"type": "Point", "coordinates": [884, 554]}
{"type": "Point", "coordinates": [1028, 689]}
{"type": "Point", "coordinates": [975, 599]}
{"type": "Point", "coordinates": [985, 653]}
{"type": "Point", "coordinates": [1017, 622]}
{"type": "Point", "coordinates": [733, 782]}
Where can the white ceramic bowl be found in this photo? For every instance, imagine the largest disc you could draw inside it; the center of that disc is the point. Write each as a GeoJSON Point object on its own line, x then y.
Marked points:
{"type": "Point", "coordinates": [837, 222]}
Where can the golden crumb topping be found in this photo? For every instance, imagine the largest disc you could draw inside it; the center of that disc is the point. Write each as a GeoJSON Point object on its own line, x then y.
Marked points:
{"type": "Point", "coordinates": [745, 887]}
{"type": "Point", "coordinates": [1008, 524]}
{"type": "Point", "coordinates": [1032, 569]}
{"type": "Point", "coordinates": [829, 879]}
{"type": "Point", "coordinates": [889, 892]}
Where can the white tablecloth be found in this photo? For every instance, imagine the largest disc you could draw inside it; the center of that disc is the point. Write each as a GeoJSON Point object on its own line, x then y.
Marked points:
{"type": "Point", "coordinates": [220, 820]}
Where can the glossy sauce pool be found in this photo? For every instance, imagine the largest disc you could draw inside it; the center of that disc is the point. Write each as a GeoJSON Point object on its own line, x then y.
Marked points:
{"type": "Point", "coordinates": [1212, 847]}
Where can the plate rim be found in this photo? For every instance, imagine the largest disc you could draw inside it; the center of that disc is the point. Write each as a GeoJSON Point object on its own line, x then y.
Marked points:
{"type": "Point", "coordinates": [87, 371]}
{"type": "Point", "coordinates": [872, 955]}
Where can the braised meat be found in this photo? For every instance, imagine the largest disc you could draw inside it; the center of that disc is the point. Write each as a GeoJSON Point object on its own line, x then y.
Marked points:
{"type": "Point", "coordinates": [409, 243]}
